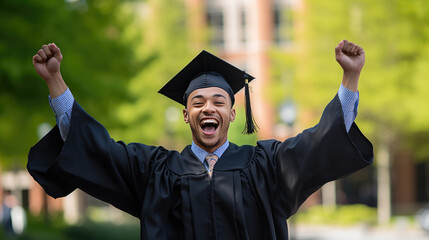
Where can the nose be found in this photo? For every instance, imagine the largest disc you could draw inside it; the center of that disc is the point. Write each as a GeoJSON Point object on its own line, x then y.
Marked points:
{"type": "Point", "coordinates": [208, 108]}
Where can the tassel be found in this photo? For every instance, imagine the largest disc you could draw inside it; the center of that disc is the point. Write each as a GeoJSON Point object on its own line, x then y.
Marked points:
{"type": "Point", "coordinates": [250, 126]}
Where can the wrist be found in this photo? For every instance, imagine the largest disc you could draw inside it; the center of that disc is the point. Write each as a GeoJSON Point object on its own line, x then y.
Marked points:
{"type": "Point", "coordinates": [54, 77]}
{"type": "Point", "coordinates": [351, 80]}
{"type": "Point", "coordinates": [56, 85]}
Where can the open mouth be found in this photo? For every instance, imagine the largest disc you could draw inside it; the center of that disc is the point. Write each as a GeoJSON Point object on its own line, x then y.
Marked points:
{"type": "Point", "coordinates": [209, 125]}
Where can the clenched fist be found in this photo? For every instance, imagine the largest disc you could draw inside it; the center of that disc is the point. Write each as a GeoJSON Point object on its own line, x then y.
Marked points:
{"type": "Point", "coordinates": [47, 64]}
{"type": "Point", "coordinates": [350, 56]}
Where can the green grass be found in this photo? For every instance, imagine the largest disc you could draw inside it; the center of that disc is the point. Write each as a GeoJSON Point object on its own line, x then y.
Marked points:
{"type": "Point", "coordinates": [55, 228]}
{"type": "Point", "coordinates": [340, 215]}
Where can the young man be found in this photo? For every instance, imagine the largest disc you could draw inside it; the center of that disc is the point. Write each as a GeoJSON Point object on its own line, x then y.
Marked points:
{"type": "Point", "coordinates": [213, 189]}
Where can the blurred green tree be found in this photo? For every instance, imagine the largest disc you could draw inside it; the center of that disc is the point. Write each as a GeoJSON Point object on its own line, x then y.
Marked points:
{"type": "Point", "coordinates": [149, 117]}
{"type": "Point", "coordinates": [393, 86]}
{"type": "Point", "coordinates": [99, 59]}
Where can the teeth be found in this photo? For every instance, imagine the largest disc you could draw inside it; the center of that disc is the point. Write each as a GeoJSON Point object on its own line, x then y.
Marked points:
{"type": "Point", "coordinates": [208, 121]}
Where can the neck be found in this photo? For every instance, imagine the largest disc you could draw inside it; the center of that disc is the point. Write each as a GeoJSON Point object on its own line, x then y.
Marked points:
{"type": "Point", "coordinates": [209, 149]}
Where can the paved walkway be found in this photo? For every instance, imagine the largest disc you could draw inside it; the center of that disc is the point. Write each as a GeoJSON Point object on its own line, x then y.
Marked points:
{"type": "Point", "coordinates": [357, 233]}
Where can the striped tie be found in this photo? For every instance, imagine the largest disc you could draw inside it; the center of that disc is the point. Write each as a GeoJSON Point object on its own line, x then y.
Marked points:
{"type": "Point", "coordinates": [211, 160]}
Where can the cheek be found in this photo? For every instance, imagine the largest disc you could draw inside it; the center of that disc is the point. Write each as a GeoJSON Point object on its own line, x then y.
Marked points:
{"type": "Point", "coordinates": [192, 117]}
{"type": "Point", "coordinates": [231, 115]}
{"type": "Point", "coordinates": [227, 117]}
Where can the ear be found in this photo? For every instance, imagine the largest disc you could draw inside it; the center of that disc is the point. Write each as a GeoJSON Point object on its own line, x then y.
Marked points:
{"type": "Point", "coordinates": [232, 115]}
{"type": "Point", "coordinates": [185, 115]}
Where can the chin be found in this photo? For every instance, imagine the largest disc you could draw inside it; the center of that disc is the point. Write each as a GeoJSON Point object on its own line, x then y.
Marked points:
{"type": "Point", "coordinates": [210, 142]}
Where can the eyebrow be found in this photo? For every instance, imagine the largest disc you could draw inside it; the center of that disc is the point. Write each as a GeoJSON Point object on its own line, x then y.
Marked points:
{"type": "Point", "coordinates": [219, 95]}
{"type": "Point", "coordinates": [214, 95]}
{"type": "Point", "coordinates": [196, 96]}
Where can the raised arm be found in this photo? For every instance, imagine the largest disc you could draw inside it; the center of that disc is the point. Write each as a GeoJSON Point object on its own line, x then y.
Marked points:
{"type": "Point", "coordinates": [323, 153]}
{"type": "Point", "coordinates": [351, 58]}
{"type": "Point", "coordinates": [47, 63]}
{"type": "Point", "coordinates": [87, 158]}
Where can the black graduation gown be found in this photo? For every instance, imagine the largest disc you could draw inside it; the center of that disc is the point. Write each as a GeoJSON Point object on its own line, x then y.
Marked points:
{"type": "Point", "coordinates": [254, 189]}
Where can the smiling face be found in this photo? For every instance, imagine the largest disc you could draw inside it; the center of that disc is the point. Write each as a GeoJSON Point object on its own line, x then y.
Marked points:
{"type": "Point", "coordinates": [209, 113]}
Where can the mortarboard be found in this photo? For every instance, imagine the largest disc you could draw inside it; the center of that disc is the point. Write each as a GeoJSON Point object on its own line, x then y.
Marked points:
{"type": "Point", "coordinates": [207, 70]}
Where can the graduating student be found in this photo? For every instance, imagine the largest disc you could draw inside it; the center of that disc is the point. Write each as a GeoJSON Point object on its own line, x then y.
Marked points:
{"type": "Point", "coordinates": [213, 189]}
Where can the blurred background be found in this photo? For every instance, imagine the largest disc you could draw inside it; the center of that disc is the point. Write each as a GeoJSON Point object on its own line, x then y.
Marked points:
{"type": "Point", "coordinates": [119, 53]}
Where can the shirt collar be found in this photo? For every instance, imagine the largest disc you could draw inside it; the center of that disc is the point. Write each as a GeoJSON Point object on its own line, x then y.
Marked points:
{"type": "Point", "coordinates": [201, 154]}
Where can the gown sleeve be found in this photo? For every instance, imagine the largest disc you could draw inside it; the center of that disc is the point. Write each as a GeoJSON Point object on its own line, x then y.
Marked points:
{"type": "Point", "coordinates": [297, 167]}
{"type": "Point", "coordinates": [90, 160]}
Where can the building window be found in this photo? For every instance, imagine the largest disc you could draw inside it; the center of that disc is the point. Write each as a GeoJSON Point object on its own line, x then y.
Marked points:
{"type": "Point", "coordinates": [282, 17]}
{"type": "Point", "coordinates": [215, 23]}
{"type": "Point", "coordinates": [243, 26]}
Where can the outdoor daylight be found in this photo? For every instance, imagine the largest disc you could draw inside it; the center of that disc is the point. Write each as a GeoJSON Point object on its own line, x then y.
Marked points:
{"type": "Point", "coordinates": [123, 119]}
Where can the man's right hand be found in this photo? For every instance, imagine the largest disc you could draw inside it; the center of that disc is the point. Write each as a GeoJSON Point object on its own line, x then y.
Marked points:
{"type": "Point", "coordinates": [47, 64]}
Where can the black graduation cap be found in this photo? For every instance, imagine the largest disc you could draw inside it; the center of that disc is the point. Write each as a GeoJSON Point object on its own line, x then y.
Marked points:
{"type": "Point", "coordinates": [207, 70]}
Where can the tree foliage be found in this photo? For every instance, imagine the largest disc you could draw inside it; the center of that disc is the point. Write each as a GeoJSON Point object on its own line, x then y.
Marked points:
{"type": "Point", "coordinates": [149, 117]}
{"type": "Point", "coordinates": [98, 61]}
{"type": "Point", "coordinates": [393, 85]}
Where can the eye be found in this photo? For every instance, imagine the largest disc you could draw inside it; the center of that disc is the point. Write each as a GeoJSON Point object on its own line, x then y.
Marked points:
{"type": "Point", "coordinates": [218, 101]}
